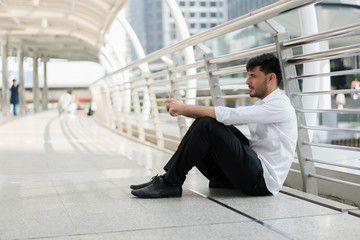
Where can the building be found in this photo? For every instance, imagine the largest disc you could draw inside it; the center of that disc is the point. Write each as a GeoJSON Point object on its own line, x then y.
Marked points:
{"type": "Point", "coordinates": [156, 29]}
{"type": "Point", "coordinates": [238, 8]}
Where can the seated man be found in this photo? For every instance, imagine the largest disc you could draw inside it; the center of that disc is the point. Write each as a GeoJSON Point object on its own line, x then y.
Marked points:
{"type": "Point", "coordinates": [222, 153]}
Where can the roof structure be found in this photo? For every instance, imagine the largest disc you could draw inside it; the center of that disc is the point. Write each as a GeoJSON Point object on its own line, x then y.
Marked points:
{"type": "Point", "coordinates": [67, 29]}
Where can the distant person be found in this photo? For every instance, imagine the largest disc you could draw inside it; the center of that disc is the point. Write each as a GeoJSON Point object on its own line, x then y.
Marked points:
{"type": "Point", "coordinates": [355, 85]}
{"type": "Point", "coordinates": [14, 97]}
{"type": "Point", "coordinates": [340, 100]}
{"type": "Point", "coordinates": [67, 104]}
{"type": "Point", "coordinates": [92, 108]}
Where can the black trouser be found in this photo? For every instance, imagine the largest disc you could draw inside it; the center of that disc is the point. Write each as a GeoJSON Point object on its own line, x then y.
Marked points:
{"type": "Point", "coordinates": [222, 153]}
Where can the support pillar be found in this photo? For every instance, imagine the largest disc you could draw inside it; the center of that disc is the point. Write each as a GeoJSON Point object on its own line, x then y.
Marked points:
{"type": "Point", "coordinates": [36, 90]}
{"type": "Point", "coordinates": [22, 103]}
{"type": "Point", "coordinates": [5, 83]}
{"type": "Point", "coordinates": [45, 98]}
{"type": "Point", "coordinates": [189, 56]}
{"type": "Point", "coordinates": [308, 24]}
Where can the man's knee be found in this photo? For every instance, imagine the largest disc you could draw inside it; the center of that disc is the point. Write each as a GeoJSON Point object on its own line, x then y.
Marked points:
{"type": "Point", "coordinates": [208, 123]}
{"type": "Point", "coordinates": [206, 120]}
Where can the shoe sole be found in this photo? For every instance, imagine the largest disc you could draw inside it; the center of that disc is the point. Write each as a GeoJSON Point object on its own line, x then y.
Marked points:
{"type": "Point", "coordinates": [158, 195]}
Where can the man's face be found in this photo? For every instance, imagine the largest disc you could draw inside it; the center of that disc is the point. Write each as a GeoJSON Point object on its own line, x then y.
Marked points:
{"type": "Point", "coordinates": [257, 82]}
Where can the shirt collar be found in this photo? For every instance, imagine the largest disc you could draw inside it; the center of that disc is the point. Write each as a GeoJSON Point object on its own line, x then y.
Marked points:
{"type": "Point", "coordinates": [274, 94]}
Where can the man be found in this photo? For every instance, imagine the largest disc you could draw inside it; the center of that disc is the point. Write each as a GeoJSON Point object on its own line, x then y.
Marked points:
{"type": "Point", "coordinates": [14, 97]}
{"type": "Point", "coordinates": [222, 153]}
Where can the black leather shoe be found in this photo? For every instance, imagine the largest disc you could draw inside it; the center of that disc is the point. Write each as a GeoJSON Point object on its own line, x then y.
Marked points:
{"type": "Point", "coordinates": [135, 187]}
{"type": "Point", "coordinates": [218, 184]}
{"type": "Point", "coordinates": [158, 189]}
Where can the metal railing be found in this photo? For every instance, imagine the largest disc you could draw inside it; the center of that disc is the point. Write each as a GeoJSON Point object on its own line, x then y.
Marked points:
{"type": "Point", "coordinates": [131, 100]}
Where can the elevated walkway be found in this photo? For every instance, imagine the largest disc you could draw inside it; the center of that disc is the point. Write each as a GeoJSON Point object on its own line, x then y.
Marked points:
{"type": "Point", "coordinates": [69, 179]}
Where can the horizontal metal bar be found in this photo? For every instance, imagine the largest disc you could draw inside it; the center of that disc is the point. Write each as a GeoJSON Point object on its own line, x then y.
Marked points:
{"type": "Point", "coordinates": [346, 91]}
{"type": "Point", "coordinates": [343, 31]}
{"type": "Point", "coordinates": [138, 79]}
{"type": "Point", "coordinates": [188, 77]}
{"type": "Point", "coordinates": [188, 66]}
{"type": "Point", "coordinates": [333, 146]}
{"type": "Point", "coordinates": [329, 129]}
{"type": "Point", "coordinates": [244, 54]}
{"type": "Point", "coordinates": [197, 88]}
{"type": "Point", "coordinates": [336, 73]}
{"type": "Point", "coordinates": [329, 54]}
{"type": "Point", "coordinates": [235, 96]}
{"type": "Point", "coordinates": [257, 16]}
{"type": "Point", "coordinates": [159, 74]}
{"type": "Point", "coordinates": [230, 70]}
{"type": "Point", "coordinates": [160, 82]}
{"type": "Point", "coordinates": [344, 110]}
{"type": "Point", "coordinates": [234, 84]}
{"type": "Point", "coordinates": [332, 164]}
{"type": "Point", "coordinates": [334, 180]}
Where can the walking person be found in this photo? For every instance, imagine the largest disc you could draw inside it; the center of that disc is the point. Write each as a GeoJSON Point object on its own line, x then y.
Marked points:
{"type": "Point", "coordinates": [225, 156]}
{"type": "Point", "coordinates": [14, 97]}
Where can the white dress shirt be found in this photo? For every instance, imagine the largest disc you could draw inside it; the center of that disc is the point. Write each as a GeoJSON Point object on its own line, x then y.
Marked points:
{"type": "Point", "coordinates": [273, 129]}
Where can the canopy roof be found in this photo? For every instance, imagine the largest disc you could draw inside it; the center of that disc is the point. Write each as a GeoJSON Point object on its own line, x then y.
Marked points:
{"type": "Point", "coordinates": [67, 29]}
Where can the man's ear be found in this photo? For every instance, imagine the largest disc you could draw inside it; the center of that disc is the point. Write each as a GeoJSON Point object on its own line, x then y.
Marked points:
{"type": "Point", "coordinates": [272, 78]}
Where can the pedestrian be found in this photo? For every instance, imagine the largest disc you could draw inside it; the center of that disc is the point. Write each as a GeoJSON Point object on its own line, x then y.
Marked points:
{"type": "Point", "coordinates": [14, 97]}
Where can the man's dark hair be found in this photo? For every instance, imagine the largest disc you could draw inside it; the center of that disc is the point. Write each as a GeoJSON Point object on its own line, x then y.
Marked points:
{"type": "Point", "coordinates": [268, 64]}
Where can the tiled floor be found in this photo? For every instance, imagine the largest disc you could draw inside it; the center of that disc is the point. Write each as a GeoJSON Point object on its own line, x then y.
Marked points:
{"type": "Point", "coordinates": [69, 179]}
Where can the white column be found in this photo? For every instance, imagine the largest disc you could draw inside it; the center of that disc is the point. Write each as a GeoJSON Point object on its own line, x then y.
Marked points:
{"type": "Point", "coordinates": [144, 67]}
{"type": "Point", "coordinates": [183, 33]}
{"type": "Point", "coordinates": [325, 84]}
{"type": "Point", "coordinates": [45, 98]}
{"type": "Point", "coordinates": [36, 90]}
{"type": "Point", "coordinates": [308, 23]}
{"type": "Point", "coordinates": [5, 83]}
{"type": "Point", "coordinates": [328, 119]}
{"type": "Point", "coordinates": [21, 80]}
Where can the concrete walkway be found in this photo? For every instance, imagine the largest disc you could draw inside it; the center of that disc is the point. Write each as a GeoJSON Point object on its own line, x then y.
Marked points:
{"type": "Point", "coordinates": [69, 179]}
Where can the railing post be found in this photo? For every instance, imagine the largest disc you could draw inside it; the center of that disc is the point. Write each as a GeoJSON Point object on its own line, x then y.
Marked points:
{"type": "Point", "coordinates": [291, 86]}
{"type": "Point", "coordinates": [154, 112]}
{"type": "Point", "coordinates": [117, 104]}
{"type": "Point", "coordinates": [137, 110]}
{"type": "Point", "coordinates": [109, 114]}
{"type": "Point", "coordinates": [213, 80]}
{"type": "Point", "coordinates": [175, 93]}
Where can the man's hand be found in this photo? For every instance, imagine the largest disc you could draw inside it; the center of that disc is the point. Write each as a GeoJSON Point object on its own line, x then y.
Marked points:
{"type": "Point", "coordinates": [177, 108]}
{"type": "Point", "coordinates": [174, 107]}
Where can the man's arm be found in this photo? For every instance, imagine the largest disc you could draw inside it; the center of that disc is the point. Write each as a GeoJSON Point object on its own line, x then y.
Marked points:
{"type": "Point", "coordinates": [177, 108]}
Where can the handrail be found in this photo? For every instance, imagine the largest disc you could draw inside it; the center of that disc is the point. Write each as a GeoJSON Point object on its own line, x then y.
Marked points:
{"type": "Point", "coordinates": [346, 91]}
{"type": "Point", "coordinates": [336, 73]}
{"type": "Point", "coordinates": [329, 54]}
{"type": "Point", "coordinates": [342, 31]}
{"type": "Point", "coordinates": [333, 164]}
{"type": "Point", "coordinates": [237, 23]}
{"type": "Point", "coordinates": [332, 146]}
{"type": "Point", "coordinates": [329, 129]}
{"type": "Point", "coordinates": [344, 110]}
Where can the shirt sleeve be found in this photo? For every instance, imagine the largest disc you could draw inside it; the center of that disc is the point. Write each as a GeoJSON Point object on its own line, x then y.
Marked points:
{"type": "Point", "coordinates": [276, 110]}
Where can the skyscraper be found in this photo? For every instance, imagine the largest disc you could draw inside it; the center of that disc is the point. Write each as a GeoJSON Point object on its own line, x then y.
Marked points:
{"type": "Point", "coordinates": [156, 29]}
{"type": "Point", "coordinates": [238, 8]}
